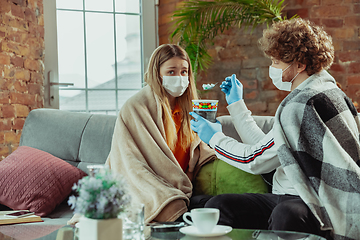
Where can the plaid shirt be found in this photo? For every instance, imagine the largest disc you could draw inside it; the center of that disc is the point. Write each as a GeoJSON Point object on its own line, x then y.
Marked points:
{"type": "Point", "coordinates": [317, 132]}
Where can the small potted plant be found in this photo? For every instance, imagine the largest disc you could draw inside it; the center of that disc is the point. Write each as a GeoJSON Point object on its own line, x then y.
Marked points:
{"type": "Point", "coordinates": [100, 199]}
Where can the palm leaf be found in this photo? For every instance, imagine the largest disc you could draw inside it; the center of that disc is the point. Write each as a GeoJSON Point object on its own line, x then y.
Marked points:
{"type": "Point", "coordinates": [198, 22]}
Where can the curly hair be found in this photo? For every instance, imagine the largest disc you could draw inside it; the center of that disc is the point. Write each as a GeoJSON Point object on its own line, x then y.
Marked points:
{"type": "Point", "coordinates": [301, 41]}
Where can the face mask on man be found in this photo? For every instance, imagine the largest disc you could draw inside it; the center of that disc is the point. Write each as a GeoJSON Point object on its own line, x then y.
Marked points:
{"type": "Point", "coordinates": [276, 76]}
{"type": "Point", "coordinates": [175, 85]}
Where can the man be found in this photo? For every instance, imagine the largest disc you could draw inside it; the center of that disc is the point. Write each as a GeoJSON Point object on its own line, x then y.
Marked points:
{"type": "Point", "coordinates": [314, 144]}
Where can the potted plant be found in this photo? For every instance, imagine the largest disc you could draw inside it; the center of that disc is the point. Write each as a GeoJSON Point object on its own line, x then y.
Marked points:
{"type": "Point", "coordinates": [100, 199]}
{"type": "Point", "coordinates": [198, 22]}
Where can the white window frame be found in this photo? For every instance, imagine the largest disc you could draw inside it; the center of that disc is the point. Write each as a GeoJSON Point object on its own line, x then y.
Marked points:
{"type": "Point", "coordinates": [149, 41]}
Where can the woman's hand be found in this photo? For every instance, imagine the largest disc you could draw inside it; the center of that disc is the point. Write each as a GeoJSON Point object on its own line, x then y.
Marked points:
{"type": "Point", "coordinates": [204, 128]}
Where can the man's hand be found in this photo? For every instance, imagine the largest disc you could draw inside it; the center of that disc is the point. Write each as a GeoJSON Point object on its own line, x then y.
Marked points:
{"type": "Point", "coordinates": [232, 88]}
{"type": "Point", "coordinates": [204, 128]}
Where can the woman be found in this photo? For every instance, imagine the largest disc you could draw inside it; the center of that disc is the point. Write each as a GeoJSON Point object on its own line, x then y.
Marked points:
{"type": "Point", "coordinates": [314, 144]}
{"type": "Point", "coordinates": [153, 146]}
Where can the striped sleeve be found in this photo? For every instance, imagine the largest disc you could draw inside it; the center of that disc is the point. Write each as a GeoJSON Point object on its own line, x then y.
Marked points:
{"type": "Point", "coordinates": [256, 158]}
{"type": "Point", "coordinates": [245, 159]}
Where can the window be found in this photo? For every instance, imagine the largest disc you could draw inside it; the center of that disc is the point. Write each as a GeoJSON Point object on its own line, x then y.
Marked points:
{"type": "Point", "coordinates": [100, 52]}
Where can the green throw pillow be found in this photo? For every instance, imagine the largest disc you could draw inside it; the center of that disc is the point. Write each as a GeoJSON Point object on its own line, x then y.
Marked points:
{"type": "Point", "coordinates": [218, 177]}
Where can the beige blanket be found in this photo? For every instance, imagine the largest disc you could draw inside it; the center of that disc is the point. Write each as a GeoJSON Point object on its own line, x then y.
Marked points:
{"type": "Point", "coordinates": [139, 152]}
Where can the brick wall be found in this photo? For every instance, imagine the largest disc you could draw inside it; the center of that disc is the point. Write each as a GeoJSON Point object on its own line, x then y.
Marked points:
{"type": "Point", "coordinates": [21, 67]}
{"type": "Point", "coordinates": [341, 19]}
{"type": "Point", "coordinates": [236, 51]}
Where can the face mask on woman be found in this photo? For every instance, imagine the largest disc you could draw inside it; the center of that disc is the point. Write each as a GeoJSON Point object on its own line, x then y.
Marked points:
{"type": "Point", "coordinates": [175, 85]}
{"type": "Point", "coordinates": [276, 76]}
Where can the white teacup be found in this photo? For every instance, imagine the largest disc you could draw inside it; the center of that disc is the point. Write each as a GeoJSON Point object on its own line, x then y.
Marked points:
{"type": "Point", "coordinates": [204, 219]}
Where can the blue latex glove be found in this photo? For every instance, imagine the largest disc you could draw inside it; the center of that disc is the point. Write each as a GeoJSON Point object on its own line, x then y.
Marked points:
{"type": "Point", "coordinates": [232, 88]}
{"type": "Point", "coordinates": [204, 128]}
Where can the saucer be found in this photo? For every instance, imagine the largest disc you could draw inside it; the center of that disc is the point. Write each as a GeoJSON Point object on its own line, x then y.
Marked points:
{"type": "Point", "coordinates": [219, 230]}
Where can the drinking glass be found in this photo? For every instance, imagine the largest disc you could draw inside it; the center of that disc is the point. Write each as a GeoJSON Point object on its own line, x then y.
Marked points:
{"type": "Point", "coordinates": [95, 168]}
{"type": "Point", "coordinates": [133, 222]}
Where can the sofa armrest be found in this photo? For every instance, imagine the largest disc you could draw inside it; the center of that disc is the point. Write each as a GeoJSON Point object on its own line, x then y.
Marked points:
{"type": "Point", "coordinates": [264, 122]}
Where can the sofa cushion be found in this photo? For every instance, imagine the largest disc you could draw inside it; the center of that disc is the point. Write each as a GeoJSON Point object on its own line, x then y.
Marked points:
{"type": "Point", "coordinates": [218, 177]}
{"type": "Point", "coordinates": [96, 139]}
{"type": "Point", "coordinates": [56, 132]}
{"type": "Point", "coordinates": [78, 138]}
{"type": "Point", "coordinates": [36, 180]}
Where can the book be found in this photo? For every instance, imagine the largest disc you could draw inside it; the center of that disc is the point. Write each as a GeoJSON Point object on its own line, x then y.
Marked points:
{"type": "Point", "coordinates": [27, 219]}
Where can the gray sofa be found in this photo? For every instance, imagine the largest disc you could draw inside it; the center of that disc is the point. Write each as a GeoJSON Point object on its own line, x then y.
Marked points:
{"type": "Point", "coordinates": [82, 139]}
{"type": "Point", "coordinates": [78, 138]}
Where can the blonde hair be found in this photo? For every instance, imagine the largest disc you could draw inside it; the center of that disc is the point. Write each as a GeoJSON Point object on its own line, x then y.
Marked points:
{"type": "Point", "coordinates": [301, 41]}
{"type": "Point", "coordinates": [152, 77]}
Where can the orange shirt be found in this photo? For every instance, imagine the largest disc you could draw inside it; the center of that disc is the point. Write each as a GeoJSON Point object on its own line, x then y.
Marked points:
{"type": "Point", "coordinates": [181, 155]}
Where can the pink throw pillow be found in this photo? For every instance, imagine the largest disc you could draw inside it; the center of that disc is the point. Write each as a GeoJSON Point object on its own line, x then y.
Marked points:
{"type": "Point", "coordinates": [36, 180]}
